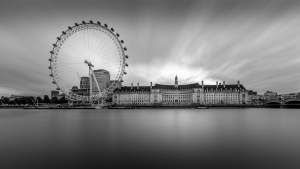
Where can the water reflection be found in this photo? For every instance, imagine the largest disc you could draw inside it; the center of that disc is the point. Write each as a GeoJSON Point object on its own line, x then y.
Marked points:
{"type": "Point", "coordinates": [150, 138]}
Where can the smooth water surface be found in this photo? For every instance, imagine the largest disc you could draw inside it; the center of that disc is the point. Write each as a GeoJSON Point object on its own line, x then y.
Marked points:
{"type": "Point", "coordinates": [150, 138]}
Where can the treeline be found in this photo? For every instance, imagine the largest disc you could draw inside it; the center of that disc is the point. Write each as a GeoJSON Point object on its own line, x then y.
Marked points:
{"type": "Point", "coordinates": [31, 100]}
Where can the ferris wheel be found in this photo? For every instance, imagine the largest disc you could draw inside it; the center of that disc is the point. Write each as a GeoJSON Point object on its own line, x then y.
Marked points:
{"type": "Point", "coordinates": [88, 61]}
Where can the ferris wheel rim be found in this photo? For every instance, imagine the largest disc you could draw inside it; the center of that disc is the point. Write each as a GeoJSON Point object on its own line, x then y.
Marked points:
{"type": "Point", "coordinates": [64, 36]}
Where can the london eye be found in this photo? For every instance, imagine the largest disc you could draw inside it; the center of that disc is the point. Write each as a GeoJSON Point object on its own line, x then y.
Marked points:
{"type": "Point", "coordinates": [88, 61]}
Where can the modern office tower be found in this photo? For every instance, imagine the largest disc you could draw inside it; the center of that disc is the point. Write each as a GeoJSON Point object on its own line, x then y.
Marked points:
{"type": "Point", "coordinates": [84, 87]}
{"type": "Point", "coordinates": [103, 78]}
{"type": "Point", "coordinates": [84, 82]}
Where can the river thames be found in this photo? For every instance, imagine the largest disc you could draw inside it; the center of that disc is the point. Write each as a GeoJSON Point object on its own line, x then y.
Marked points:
{"type": "Point", "coordinates": [150, 138]}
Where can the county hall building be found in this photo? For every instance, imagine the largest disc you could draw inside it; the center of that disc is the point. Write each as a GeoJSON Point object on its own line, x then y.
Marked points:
{"type": "Point", "coordinates": [181, 95]}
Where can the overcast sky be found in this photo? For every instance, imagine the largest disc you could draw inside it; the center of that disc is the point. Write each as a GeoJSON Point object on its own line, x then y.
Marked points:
{"type": "Point", "coordinates": [256, 42]}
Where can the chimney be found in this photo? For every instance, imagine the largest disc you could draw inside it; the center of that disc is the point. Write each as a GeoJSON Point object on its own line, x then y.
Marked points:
{"type": "Point", "coordinates": [217, 84]}
{"type": "Point", "coordinates": [224, 84]}
{"type": "Point", "coordinates": [137, 85]}
{"type": "Point", "coordinates": [238, 84]}
{"type": "Point", "coordinates": [202, 85]}
{"type": "Point", "coordinates": [131, 86]}
{"type": "Point", "coordinates": [150, 85]}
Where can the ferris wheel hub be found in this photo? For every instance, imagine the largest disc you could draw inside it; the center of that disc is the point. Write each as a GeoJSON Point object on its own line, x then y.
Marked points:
{"type": "Point", "coordinates": [88, 63]}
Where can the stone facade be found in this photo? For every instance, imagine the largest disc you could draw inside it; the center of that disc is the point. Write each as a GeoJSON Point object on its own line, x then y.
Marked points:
{"type": "Point", "coordinates": [181, 95]}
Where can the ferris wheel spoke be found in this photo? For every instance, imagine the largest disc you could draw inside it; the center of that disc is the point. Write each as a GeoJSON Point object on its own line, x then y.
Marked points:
{"type": "Point", "coordinates": [90, 41]}
{"type": "Point", "coordinates": [72, 76]}
{"type": "Point", "coordinates": [110, 56]}
{"type": "Point", "coordinates": [112, 46]}
{"type": "Point", "coordinates": [108, 46]}
{"type": "Point", "coordinates": [78, 44]}
{"type": "Point", "coordinates": [87, 51]}
{"type": "Point", "coordinates": [67, 71]}
{"type": "Point", "coordinates": [65, 67]}
{"type": "Point", "coordinates": [103, 44]}
{"type": "Point", "coordinates": [93, 41]}
{"type": "Point", "coordinates": [108, 60]}
{"type": "Point", "coordinates": [70, 57]}
{"type": "Point", "coordinates": [108, 49]}
{"type": "Point", "coordinates": [70, 79]}
{"type": "Point", "coordinates": [99, 35]}
{"type": "Point", "coordinates": [76, 48]}
{"type": "Point", "coordinates": [69, 51]}
{"type": "Point", "coordinates": [69, 61]}
{"type": "Point", "coordinates": [106, 42]}
{"type": "Point", "coordinates": [104, 54]}
{"type": "Point", "coordinates": [72, 42]}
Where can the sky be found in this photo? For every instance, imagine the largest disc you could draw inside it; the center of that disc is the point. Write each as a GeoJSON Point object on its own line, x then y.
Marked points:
{"type": "Point", "coordinates": [255, 42]}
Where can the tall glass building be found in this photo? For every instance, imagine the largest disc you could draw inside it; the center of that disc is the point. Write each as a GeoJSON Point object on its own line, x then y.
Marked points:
{"type": "Point", "coordinates": [103, 79]}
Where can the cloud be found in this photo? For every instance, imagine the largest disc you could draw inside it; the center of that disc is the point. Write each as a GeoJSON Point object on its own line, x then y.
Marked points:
{"type": "Point", "coordinates": [256, 42]}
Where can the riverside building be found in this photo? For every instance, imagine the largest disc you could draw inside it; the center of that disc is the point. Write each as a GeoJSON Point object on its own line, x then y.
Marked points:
{"type": "Point", "coordinates": [181, 95]}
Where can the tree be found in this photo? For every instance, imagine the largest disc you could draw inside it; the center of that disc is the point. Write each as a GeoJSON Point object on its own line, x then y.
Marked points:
{"type": "Point", "coordinates": [5, 100]}
{"type": "Point", "coordinates": [29, 100]}
{"type": "Point", "coordinates": [47, 99]}
{"type": "Point", "coordinates": [54, 100]}
{"type": "Point", "coordinates": [22, 100]}
{"type": "Point", "coordinates": [39, 99]}
{"type": "Point", "coordinates": [109, 99]}
{"type": "Point", "coordinates": [16, 101]}
{"type": "Point", "coordinates": [10, 101]}
{"type": "Point", "coordinates": [63, 100]}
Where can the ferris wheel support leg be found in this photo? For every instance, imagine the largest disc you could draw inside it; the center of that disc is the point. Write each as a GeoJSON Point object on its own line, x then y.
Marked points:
{"type": "Point", "coordinates": [90, 76]}
{"type": "Point", "coordinates": [96, 81]}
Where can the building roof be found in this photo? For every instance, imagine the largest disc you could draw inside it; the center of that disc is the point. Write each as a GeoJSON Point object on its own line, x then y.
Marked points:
{"type": "Point", "coordinates": [186, 86]}
{"type": "Point", "coordinates": [101, 71]}
{"type": "Point", "coordinates": [228, 87]}
{"type": "Point", "coordinates": [128, 88]}
{"type": "Point", "coordinates": [181, 87]}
